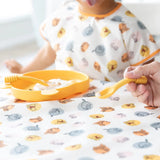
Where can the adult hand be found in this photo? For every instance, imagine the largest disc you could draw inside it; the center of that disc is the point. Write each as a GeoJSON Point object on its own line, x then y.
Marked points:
{"type": "Point", "coordinates": [147, 93]}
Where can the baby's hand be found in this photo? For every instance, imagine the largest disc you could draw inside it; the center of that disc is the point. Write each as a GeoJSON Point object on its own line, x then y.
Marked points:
{"type": "Point", "coordinates": [13, 66]}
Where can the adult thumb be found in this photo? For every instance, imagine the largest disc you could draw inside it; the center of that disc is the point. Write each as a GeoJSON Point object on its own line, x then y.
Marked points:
{"type": "Point", "coordinates": [146, 70]}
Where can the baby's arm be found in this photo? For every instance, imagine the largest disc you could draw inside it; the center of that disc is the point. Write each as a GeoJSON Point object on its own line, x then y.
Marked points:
{"type": "Point", "coordinates": [45, 57]}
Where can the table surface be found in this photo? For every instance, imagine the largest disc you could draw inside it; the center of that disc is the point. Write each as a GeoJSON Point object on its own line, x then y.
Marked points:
{"type": "Point", "coordinates": [81, 128]}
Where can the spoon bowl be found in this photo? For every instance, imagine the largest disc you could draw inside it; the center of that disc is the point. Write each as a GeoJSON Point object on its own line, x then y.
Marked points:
{"type": "Point", "coordinates": [109, 91]}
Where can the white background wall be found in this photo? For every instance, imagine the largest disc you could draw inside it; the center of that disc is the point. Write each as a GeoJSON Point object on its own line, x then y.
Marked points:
{"type": "Point", "coordinates": [26, 27]}
{"type": "Point", "coordinates": [148, 11]}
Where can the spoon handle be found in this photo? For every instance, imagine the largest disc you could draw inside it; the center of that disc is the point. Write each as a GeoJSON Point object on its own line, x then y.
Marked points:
{"type": "Point", "coordinates": [142, 80]}
{"type": "Point", "coordinates": [13, 78]}
{"type": "Point", "coordinates": [107, 92]}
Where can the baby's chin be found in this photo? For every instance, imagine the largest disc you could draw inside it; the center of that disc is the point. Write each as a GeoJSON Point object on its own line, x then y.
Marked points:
{"type": "Point", "coordinates": [91, 2]}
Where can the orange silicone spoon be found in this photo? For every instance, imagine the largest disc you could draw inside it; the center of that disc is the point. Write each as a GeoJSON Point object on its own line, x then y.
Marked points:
{"type": "Point", "coordinates": [109, 91]}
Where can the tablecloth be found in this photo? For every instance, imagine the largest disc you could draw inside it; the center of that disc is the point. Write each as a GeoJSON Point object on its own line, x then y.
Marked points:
{"type": "Point", "coordinates": [80, 128]}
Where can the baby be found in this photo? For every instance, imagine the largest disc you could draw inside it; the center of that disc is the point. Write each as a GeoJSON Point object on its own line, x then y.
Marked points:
{"type": "Point", "coordinates": [97, 37]}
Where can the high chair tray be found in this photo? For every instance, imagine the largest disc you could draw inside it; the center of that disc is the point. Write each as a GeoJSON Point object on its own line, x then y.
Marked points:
{"type": "Point", "coordinates": [23, 89]}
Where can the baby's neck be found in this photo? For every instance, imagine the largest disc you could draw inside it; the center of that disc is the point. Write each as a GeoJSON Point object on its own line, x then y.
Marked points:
{"type": "Point", "coordinates": [104, 8]}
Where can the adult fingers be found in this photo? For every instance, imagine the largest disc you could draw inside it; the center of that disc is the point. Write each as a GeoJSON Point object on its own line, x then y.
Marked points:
{"type": "Point", "coordinates": [131, 87]}
{"type": "Point", "coordinates": [141, 89]}
{"type": "Point", "coordinates": [146, 70]}
{"type": "Point", "coordinates": [144, 98]}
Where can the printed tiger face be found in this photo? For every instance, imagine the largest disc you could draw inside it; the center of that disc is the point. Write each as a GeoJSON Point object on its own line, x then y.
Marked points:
{"type": "Point", "coordinates": [73, 147]}
{"type": "Point", "coordinates": [95, 116]}
{"type": "Point", "coordinates": [151, 157]}
{"type": "Point", "coordinates": [112, 65]}
{"type": "Point", "coordinates": [58, 121]}
{"type": "Point", "coordinates": [95, 136]}
{"type": "Point", "coordinates": [105, 32]}
{"type": "Point", "coordinates": [33, 138]}
{"type": "Point", "coordinates": [130, 14]}
{"type": "Point", "coordinates": [61, 33]}
{"type": "Point", "coordinates": [128, 106]}
{"type": "Point", "coordinates": [132, 122]}
{"type": "Point", "coordinates": [34, 107]}
{"type": "Point", "coordinates": [69, 61]}
{"type": "Point", "coordinates": [145, 51]}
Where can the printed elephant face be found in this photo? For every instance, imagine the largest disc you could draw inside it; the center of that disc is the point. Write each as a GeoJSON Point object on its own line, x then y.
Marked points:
{"type": "Point", "coordinates": [100, 50]}
{"type": "Point", "coordinates": [14, 117]}
{"type": "Point", "coordinates": [144, 144]}
{"type": "Point", "coordinates": [87, 31]}
{"type": "Point", "coordinates": [156, 125]}
{"type": "Point", "coordinates": [56, 111]}
{"type": "Point", "coordinates": [85, 105]}
{"type": "Point", "coordinates": [114, 130]}
{"type": "Point", "coordinates": [19, 149]}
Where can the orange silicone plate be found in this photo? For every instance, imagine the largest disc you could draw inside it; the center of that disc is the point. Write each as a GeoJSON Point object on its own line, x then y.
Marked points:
{"type": "Point", "coordinates": [23, 89]}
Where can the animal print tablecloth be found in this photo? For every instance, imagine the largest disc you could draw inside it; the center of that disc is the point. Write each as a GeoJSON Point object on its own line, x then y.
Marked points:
{"type": "Point", "coordinates": [81, 128]}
